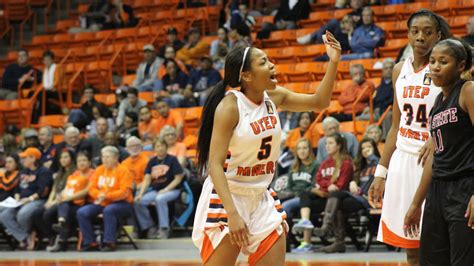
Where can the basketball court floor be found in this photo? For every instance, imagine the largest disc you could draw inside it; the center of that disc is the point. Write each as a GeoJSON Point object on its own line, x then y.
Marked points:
{"type": "Point", "coordinates": [181, 252]}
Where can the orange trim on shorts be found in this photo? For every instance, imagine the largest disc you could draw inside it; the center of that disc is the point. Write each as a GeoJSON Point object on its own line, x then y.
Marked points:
{"type": "Point", "coordinates": [216, 215]}
{"type": "Point", "coordinates": [206, 249]}
{"type": "Point", "coordinates": [264, 247]}
{"type": "Point", "coordinates": [393, 239]}
{"type": "Point", "coordinates": [215, 201]}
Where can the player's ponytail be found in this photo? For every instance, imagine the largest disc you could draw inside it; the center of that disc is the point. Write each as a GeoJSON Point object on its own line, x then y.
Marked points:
{"type": "Point", "coordinates": [236, 61]}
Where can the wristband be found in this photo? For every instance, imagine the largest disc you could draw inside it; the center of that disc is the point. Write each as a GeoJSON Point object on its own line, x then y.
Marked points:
{"type": "Point", "coordinates": [381, 171]}
{"type": "Point", "coordinates": [31, 198]}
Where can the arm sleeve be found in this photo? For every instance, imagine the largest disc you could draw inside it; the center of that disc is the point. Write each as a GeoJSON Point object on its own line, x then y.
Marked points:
{"type": "Point", "coordinates": [45, 182]}
{"type": "Point", "coordinates": [345, 175]}
{"type": "Point", "coordinates": [93, 191]}
{"type": "Point", "coordinates": [148, 167]}
{"type": "Point", "coordinates": [9, 78]}
{"type": "Point", "coordinates": [177, 169]}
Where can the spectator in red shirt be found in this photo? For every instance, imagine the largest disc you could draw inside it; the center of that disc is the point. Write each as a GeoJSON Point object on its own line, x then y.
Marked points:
{"type": "Point", "coordinates": [349, 95]}
{"type": "Point", "coordinates": [334, 174]}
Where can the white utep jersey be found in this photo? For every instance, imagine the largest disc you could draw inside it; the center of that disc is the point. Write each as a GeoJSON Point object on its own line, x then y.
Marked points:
{"type": "Point", "coordinates": [416, 95]}
{"type": "Point", "coordinates": [255, 144]}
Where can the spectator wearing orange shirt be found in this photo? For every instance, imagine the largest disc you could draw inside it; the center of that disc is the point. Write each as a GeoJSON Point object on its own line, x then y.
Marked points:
{"type": "Point", "coordinates": [136, 162]}
{"type": "Point", "coordinates": [350, 94]}
{"type": "Point", "coordinates": [111, 192]}
{"type": "Point", "coordinates": [175, 148]}
{"type": "Point", "coordinates": [148, 127]}
{"type": "Point", "coordinates": [194, 49]}
{"type": "Point", "coordinates": [71, 199]}
{"type": "Point", "coordinates": [167, 116]}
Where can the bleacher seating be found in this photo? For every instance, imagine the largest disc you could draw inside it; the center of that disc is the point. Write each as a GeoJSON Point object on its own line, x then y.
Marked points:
{"type": "Point", "coordinates": [95, 57]}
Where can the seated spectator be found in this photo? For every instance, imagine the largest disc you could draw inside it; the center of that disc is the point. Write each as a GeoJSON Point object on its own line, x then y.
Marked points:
{"type": "Point", "coordinates": [343, 34]}
{"type": "Point", "coordinates": [342, 203]}
{"type": "Point", "coordinates": [163, 175]}
{"type": "Point", "coordinates": [16, 73]}
{"type": "Point", "coordinates": [136, 162]}
{"type": "Point", "coordinates": [48, 148]}
{"type": "Point", "coordinates": [72, 140]}
{"type": "Point", "coordinates": [220, 48]}
{"type": "Point", "coordinates": [330, 127]}
{"type": "Point", "coordinates": [70, 199]}
{"type": "Point", "coordinates": [174, 83]}
{"type": "Point", "coordinates": [131, 104]}
{"type": "Point", "coordinates": [148, 127]}
{"type": "Point", "coordinates": [202, 81]}
{"type": "Point", "coordinates": [51, 77]}
{"type": "Point", "coordinates": [97, 140]}
{"type": "Point", "coordinates": [9, 178]}
{"type": "Point", "coordinates": [194, 49]}
{"type": "Point", "coordinates": [50, 212]}
{"type": "Point", "coordinates": [167, 116]}
{"type": "Point", "coordinates": [300, 177]}
{"type": "Point", "coordinates": [119, 15]}
{"type": "Point", "coordinates": [82, 117]}
{"type": "Point", "coordinates": [241, 19]}
{"type": "Point", "coordinates": [334, 26]}
{"type": "Point", "coordinates": [383, 95]}
{"type": "Point", "coordinates": [95, 17]}
{"type": "Point", "coordinates": [129, 128]}
{"type": "Point", "coordinates": [172, 41]}
{"type": "Point", "coordinates": [33, 190]}
{"type": "Point", "coordinates": [350, 94]}
{"type": "Point", "coordinates": [374, 133]}
{"type": "Point", "coordinates": [287, 17]}
{"type": "Point", "coordinates": [469, 38]}
{"type": "Point", "coordinates": [30, 138]}
{"type": "Point", "coordinates": [99, 113]}
{"type": "Point", "coordinates": [170, 54]}
{"type": "Point", "coordinates": [365, 38]}
{"type": "Point", "coordinates": [8, 143]}
{"type": "Point", "coordinates": [175, 148]}
{"type": "Point", "coordinates": [304, 121]}
{"type": "Point", "coordinates": [147, 70]}
{"type": "Point", "coordinates": [334, 174]}
{"type": "Point", "coordinates": [110, 190]}
{"type": "Point", "coordinates": [111, 139]}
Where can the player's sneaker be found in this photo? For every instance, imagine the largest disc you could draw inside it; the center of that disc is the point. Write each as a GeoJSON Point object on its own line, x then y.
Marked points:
{"type": "Point", "coordinates": [303, 248]}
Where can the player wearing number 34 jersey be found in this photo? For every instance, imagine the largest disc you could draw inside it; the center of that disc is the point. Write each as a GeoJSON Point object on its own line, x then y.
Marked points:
{"type": "Point", "coordinates": [416, 95]}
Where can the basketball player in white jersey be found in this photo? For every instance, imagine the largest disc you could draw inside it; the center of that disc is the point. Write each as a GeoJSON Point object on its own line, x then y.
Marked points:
{"type": "Point", "coordinates": [239, 144]}
{"type": "Point", "coordinates": [414, 97]}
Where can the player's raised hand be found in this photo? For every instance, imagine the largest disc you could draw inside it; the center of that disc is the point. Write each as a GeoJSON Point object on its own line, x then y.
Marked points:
{"type": "Point", "coordinates": [470, 213]}
{"type": "Point", "coordinates": [376, 191]}
{"type": "Point", "coordinates": [411, 224]}
{"type": "Point", "coordinates": [333, 47]}
{"type": "Point", "coordinates": [426, 151]}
